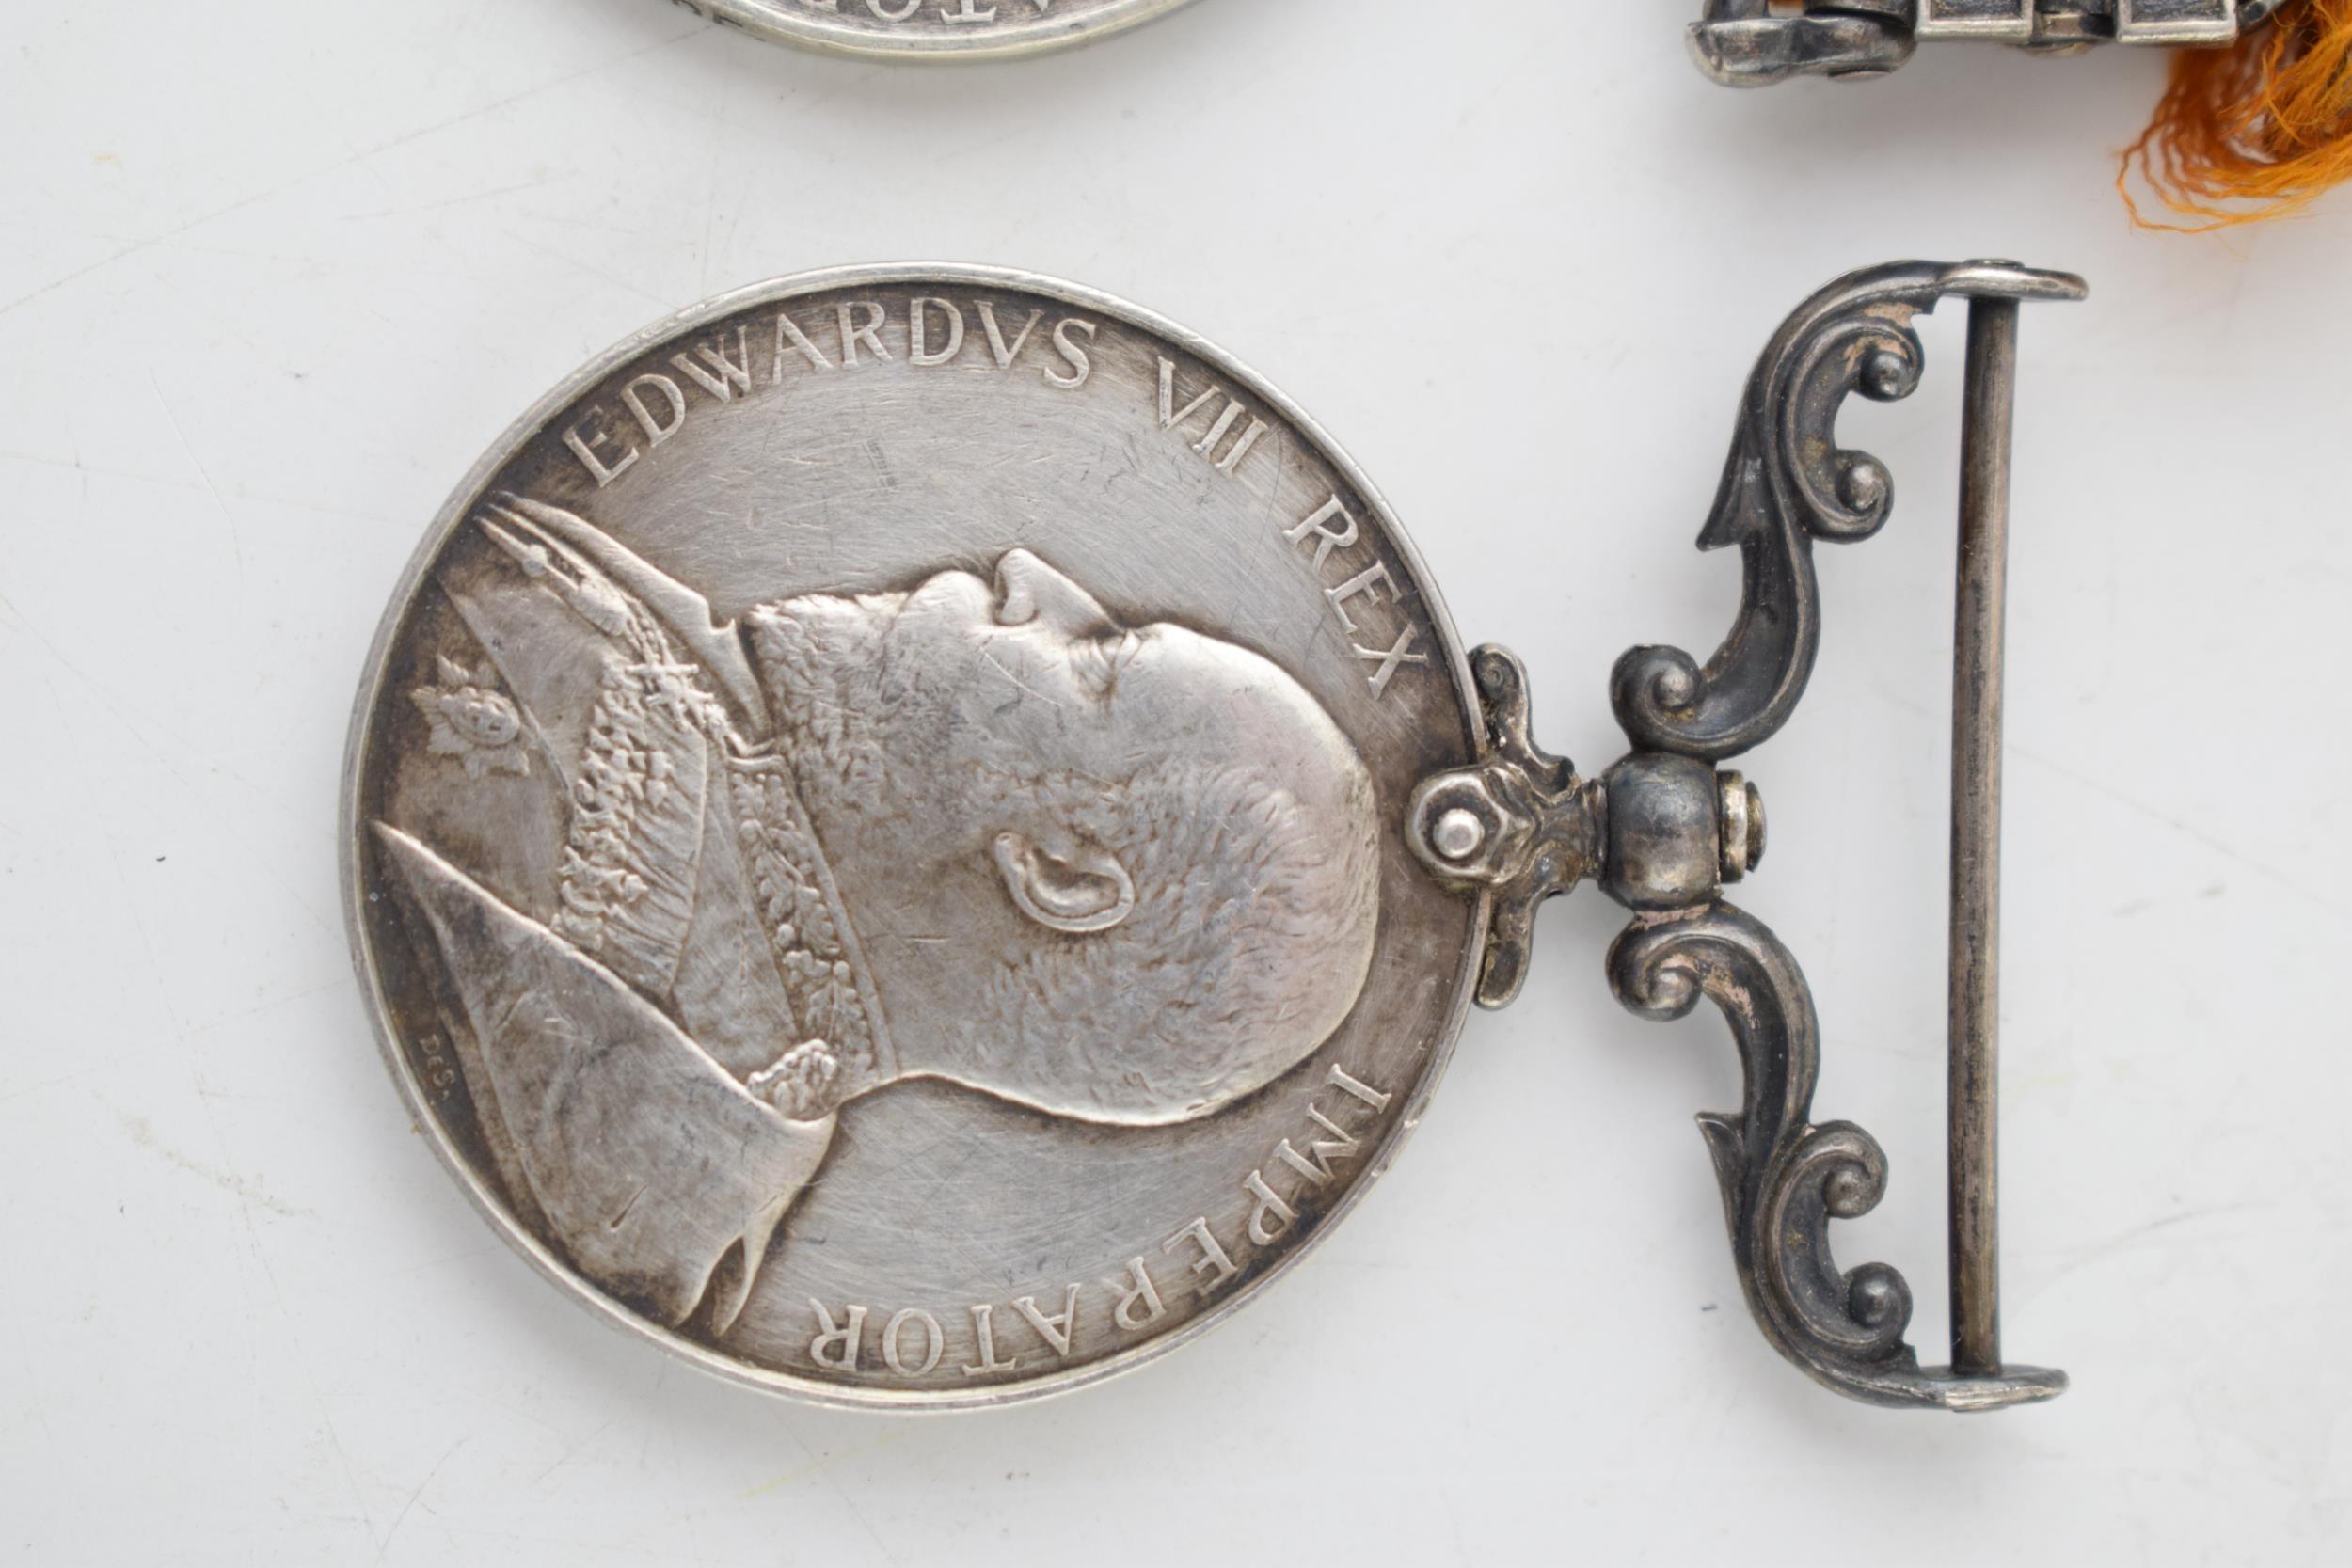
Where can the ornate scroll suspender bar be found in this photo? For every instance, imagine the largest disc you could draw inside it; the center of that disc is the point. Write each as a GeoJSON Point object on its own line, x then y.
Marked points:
{"type": "Point", "coordinates": [1665, 830]}
{"type": "Point", "coordinates": [1745, 43]}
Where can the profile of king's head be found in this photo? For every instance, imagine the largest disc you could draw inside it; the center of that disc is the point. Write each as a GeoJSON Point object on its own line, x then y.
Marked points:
{"type": "Point", "coordinates": [977, 829]}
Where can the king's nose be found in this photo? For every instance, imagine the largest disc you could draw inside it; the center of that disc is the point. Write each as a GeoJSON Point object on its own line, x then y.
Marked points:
{"type": "Point", "coordinates": [1029, 590]}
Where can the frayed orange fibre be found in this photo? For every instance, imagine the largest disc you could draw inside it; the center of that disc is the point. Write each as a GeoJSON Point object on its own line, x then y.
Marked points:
{"type": "Point", "coordinates": [2253, 131]}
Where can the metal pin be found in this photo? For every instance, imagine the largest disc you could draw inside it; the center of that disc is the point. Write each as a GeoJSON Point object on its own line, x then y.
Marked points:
{"type": "Point", "coordinates": [1987, 420]}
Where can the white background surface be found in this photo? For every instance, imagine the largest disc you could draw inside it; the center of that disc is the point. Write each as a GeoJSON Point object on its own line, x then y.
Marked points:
{"type": "Point", "coordinates": [274, 272]}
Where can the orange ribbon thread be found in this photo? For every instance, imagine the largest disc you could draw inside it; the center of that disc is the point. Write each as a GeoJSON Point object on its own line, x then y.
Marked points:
{"type": "Point", "coordinates": [2253, 131]}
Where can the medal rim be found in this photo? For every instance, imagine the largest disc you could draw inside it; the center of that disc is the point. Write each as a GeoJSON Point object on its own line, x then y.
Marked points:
{"type": "Point", "coordinates": [376, 678]}
{"type": "Point", "coordinates": [1041, 36]}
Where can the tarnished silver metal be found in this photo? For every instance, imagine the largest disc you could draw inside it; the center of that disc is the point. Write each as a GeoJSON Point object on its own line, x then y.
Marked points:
{"type": "Point", "coordinates": [1664, 829]}
{"type": "Point", "coordinates": [917, 834]}
{"type": "Point", "coordinates": [1979, 620]}
{"type": "Point", "coordinates": [1744, 43]}
{"type": "Point", "coordinates": [932, 29]}
{"type": "Point", "coordinates": [1519, 824]}
{"type": "Point", "coordinates": [871, 835]}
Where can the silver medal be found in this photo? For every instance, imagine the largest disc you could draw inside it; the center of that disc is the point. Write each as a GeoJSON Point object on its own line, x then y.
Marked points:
{"type": "Point", "coordinates": [917, 834]}
{"type": "Point", "coordinates": [873, 831]}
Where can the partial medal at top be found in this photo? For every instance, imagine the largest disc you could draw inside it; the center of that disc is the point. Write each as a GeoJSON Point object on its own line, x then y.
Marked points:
{"type": "Point", "coordinates": [932, 29]}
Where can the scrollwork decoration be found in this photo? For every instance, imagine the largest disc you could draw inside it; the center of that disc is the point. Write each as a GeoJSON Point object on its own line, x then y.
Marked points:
{"type": "Point", "coordinates": [1785, 1178]}
{"type": "Point", "coordinates": [1664, 829]}
{"type": "Point", "coordinates": [1787, 484]}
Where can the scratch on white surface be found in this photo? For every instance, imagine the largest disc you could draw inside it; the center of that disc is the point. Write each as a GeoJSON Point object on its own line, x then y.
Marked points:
{"type": "Point", "coordinates": [179, 1032]}
{"type": "Point", "coordinates": [28, 1395]}
{"type": "Point", "coordinates": [815, 1464]}
{"type": "Point", "coordinates": [77, 466]}
{"type": "Point", "coordinates": [398, 1519]}
{"type": "Point", "coordinates": [243, 1189]}
{"type": "Point", "coordinates": [2092, 781]}
{"type": "Point", "coordinates": [570, 1453]}
{"type": "Point", "coordinates": [237, 542]}
{"type": "Point", "coordinates": [578, 264]}
{"type": "Point", "coordinates": [542, 182]}
{"type": "Point", "coordinates": [323, 509]}
{"type": "Point", "coordinates": [284, 999]}
{"type": "Point", "coordinates": [2316, 898]}
{"type": "Point", "coordinates": [358, 157]}
{"type": "Point", "coordinates": [711, 159]}
{"type": "Point", "coordinates": [2122, 1239]}
{"type": "Point", "coordinates": [821, 1470]}
{"type": "Point", "coordinates": [138, 732]}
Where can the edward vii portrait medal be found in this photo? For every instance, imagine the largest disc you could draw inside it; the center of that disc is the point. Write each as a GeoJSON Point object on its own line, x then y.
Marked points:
{"type": "Point", "coordinates": [873, 831]}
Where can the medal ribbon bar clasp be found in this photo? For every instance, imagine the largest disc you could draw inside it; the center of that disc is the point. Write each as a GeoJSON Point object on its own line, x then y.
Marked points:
{"type": "Point", "coordinates": [1746, 44]}
{"type": "Point", "coordinates": [1665, 829]}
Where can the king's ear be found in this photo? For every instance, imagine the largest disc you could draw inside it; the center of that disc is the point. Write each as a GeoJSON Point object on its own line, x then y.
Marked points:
{"type": "Point", "coordinates": [1081, 889]}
